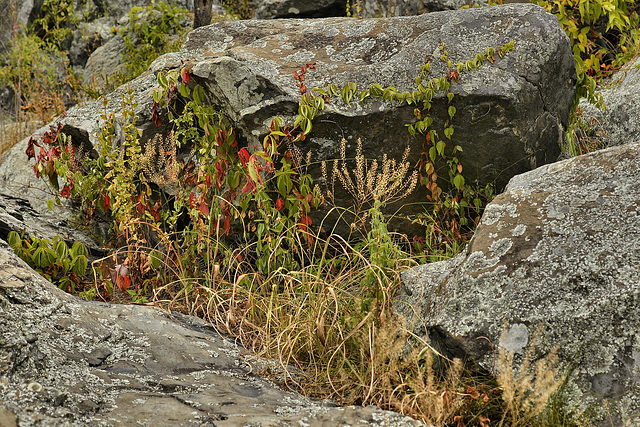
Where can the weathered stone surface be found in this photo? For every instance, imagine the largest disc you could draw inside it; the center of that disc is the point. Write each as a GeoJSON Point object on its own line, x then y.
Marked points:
{"type": "Point", "coordinates": [560, 248]}
{"type": "Point", "coordinates": [69, 362]}
{"type": "Point", "coordinates": [389, 8]}
{"type": "Point", "coordinates": [620, 121]}
{"type": "Point", "coordinates": [510, 114]}
{"type": "Point", "coordinates": [87, 38]}
{"type": "Point", "coordinates": [270, 9]}
{"type": "Point", "coordinates": [104, 62]}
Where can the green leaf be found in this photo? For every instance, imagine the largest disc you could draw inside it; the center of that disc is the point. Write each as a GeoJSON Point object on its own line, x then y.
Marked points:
{"type": "Point", "coordinates": [162, 80]}
{"type": "Point", "coordinates": [440, 147]}
{"type": "Point", "coordinates": [452, 111]}
{"type": "Point", "coordinates": [156, 258]}
{"type": "Point", "coordinates": [432, 154]}
{"type": "Point", "coordinates": [284, 184]}
{"type": "Point", "coordinates": [80, 264]}
{"type": "Point", "coordinates": [61, 248]}
{"type": "Point", "coordinates": [458, 181]}
{"type": "Point", "coordinates": [184, 90]}
{"type": "Point", "coordinates": [50, 205]}
{"type": "Point", "coordinates": [448, 132]}
{"type": "Point", "coordinates": [198, 94]}
{"type": "Point", "coordinates": [79, 249]}
{"type": "Point", "coordinates": [14, 240]}
{"type": "Point", "coordinates": [450, 97]}
{"type": "Point", "coordinates": [376, 89]}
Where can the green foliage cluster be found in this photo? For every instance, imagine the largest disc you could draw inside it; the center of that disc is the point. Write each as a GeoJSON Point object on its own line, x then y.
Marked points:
{"type": "Point", "coordinates": [31, 69]}
{"type": "Point", "coordinates": [56, 22]}
{"type": "Point", "coordinates": [604, 34]}
{"type": "Point", "coordinates": [154, 30]}
{"type": "Point", "coordinates": [52, 259]}
{"type": "Point", "coordinates": [240, 9]}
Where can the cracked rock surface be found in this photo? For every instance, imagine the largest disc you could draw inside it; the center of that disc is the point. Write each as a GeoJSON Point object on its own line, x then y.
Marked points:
{"type": "Point", "coordinates": [69, 362]}
{"type": "Point", "coordinates": [559, 250]}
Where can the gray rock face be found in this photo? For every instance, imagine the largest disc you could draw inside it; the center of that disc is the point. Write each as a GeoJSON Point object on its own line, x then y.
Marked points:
{"type": "Point", "coordinates": [69, 362]}
{"type": "Point", "coordinates": [271, 9]}
{"type": "Point", "coordinates": [104, 62]}
{"type": "Point", "coordinates": [621, 120]}
{"type": "Point", "coordinates": [558, 249]}
{"type": "Point", "coordinates": [510, 114]}
{"type": "Point", "coordinates": [89, 37]}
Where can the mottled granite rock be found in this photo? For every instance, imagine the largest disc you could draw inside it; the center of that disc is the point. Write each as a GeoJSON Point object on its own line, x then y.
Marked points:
{"type": "Point", "coordinates": [560, 249]}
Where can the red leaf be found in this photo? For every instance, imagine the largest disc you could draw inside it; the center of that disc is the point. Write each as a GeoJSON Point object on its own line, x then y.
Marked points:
{"type": "Point", "coordinates": [124, 282]}
{"type": "Point", "coordinates": [66, 191]}
{"type": "Point", "coordinates": [155, 211]}
{"type": "Point", "coordinates": [185, 75]}
{"type": "Point", "coordinates": [249, 186]}
{"type": "Point", "coordinates": [244, 157]}
{"type": "Point", "coordinates": [220, 136]}
{"type": "Point", "coordinates": [140, 204]}
{"type": "Point", "coordinates": [204, 208]}
{"type": "Point", "coordinates": [155, 117]}
{"type": "Point", "coordinates": [227, 225]}
{"type": "Point", "coordinates": [279, 204]}
{"type": "Point", "coordinates": [31, 151]}
{"type": "Point", "coordinates": [106, 202]}
{"type": "Point", "coordinates": [192, 200]}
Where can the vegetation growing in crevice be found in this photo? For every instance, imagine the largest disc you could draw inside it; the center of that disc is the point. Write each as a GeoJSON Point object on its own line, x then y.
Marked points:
{"type": "Point", "coordinates": [204, 224]}
{"type": "Point", "coordinates": [207, 225]}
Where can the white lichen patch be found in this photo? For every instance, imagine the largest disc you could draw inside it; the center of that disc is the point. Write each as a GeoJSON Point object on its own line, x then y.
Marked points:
{"type": "Point", "coordinates": [301, 56]}
{"type": "Point", "coordinates": [519, 230]}
{"type": "Point", "coordinates": [515, 338]}
{"type": "Point", "coordinates": [500, 247]}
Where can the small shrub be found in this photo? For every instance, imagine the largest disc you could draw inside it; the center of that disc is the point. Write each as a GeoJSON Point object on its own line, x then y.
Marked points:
{"type": "Point", "coordinates": [52, 259]}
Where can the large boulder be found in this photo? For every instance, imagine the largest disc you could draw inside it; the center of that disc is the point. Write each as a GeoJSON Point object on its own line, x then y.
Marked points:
{"type": "Point", "coordinates": [619, 123]}
{"type": "Point", "coordinates": [70, 362]}
{"type": "Point", "coordinates": [557, 250]}
{"type": "Point", "coordinates": [511, 114]}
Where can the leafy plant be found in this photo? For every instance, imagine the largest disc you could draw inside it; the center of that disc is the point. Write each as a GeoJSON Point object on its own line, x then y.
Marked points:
{"type": "Point", "coordinates": [52, 259]}
{"type": "Point", "coordinates": [604, 34]}
{"type": "Point", "coordinates": [155, 30]}
{"type": "Point", "coordinates": [55, 24]}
